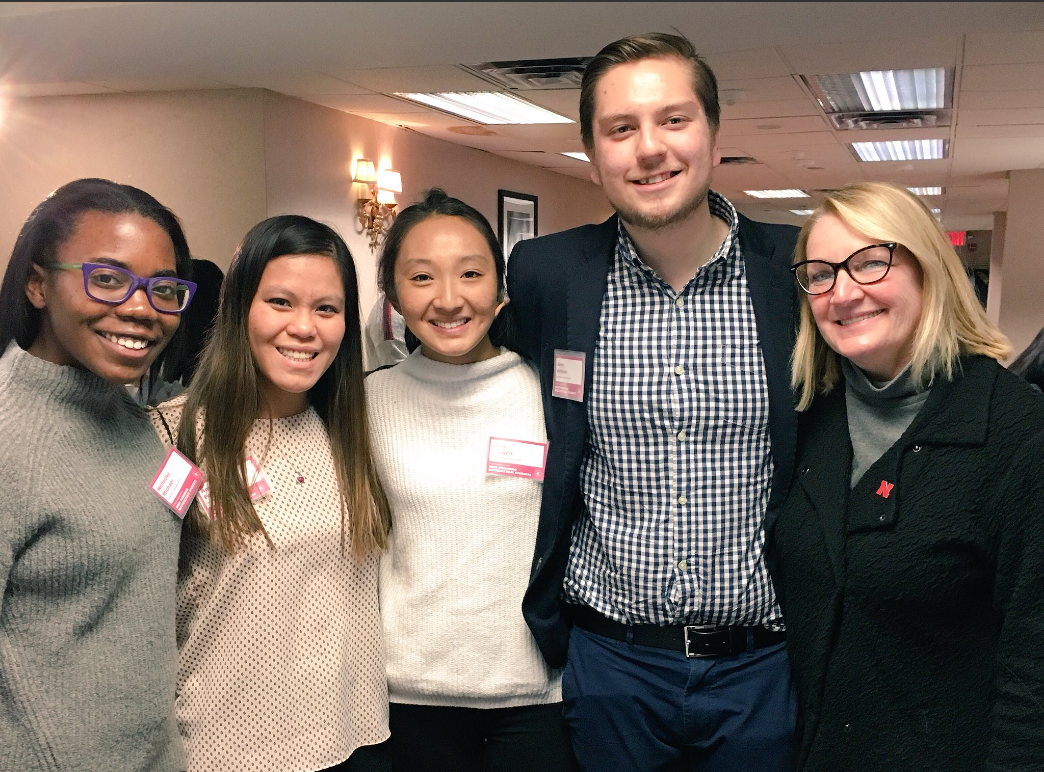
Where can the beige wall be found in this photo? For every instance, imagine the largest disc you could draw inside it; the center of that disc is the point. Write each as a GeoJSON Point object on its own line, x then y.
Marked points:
{"type": "Point", "coordinates": [199, 152]}
{"type": "Point", "coordinates": [223, 160]}
{"type": "Point", "coordinates": [1020, 310]}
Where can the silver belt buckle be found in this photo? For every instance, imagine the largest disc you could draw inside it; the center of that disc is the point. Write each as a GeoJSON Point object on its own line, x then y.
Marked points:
{"type": "Point", "coordinates": [692, 635]}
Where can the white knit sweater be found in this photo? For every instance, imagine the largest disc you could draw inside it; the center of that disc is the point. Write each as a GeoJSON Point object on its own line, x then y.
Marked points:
{"type": "Point", "coordinates": [461, 548]}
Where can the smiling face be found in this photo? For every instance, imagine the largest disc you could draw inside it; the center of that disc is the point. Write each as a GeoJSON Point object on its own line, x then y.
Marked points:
{"type": "Point", "coordinates": [653, 149]}
{"type": "Point", "coordinates": [446, 283]}
{"type": "Point", "coordinates": [873, 325]}
{"type": "Point", "coordinates": [117, 343]}
{"type": "Point", "coordinates": [295, 326]}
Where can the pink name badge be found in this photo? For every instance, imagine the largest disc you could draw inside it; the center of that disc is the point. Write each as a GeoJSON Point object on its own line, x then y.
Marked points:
{"type": "Point", "coordinates": [259, 486]}
{"type": "Point", "coordinates": [176, 482]}
{"type": "Point", "coordinates": [257, 482]}
{"type": "Point", "coordinates": [516, 458]}
{"type": "Point", "coordinates": [569, 375]}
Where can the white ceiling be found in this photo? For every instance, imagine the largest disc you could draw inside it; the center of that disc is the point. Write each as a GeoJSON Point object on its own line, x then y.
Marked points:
{"type": "Point", "coordinates": [350, 56]}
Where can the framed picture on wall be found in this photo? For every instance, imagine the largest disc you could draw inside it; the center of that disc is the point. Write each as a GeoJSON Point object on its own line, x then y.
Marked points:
{"type": "Point", "coordinates": [517, 218]}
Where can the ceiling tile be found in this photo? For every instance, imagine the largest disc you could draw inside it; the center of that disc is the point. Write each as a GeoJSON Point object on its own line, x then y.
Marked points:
{"type": "Point", "coordinates": [751, 144]}
{"type": "Point", "coordinates": [1000, 100]}
{"type": "Point", "coordinates": [57, 89]}
{"type": "Point", "coordinates": [877, 54]}
{"type": "Point", "coordinates": [1003, 47]}
{"type": "Point", "coordinates": [780, 109]}
{"type": "Point", "coordinates": [416, 79]}
{"type": "Point", "coordinates": [751, 126]}
{"type": "Point", "coordinates": [764, 89]}
{"type": "Point", "coordinates": [564, 101]}
{"type": "Point", "coordinates": [300, 84]}
{"type": "Point", "coordinates": [968, 131]}
{"type": "Point", "coordinates": [753, 63]}
{"type": "Point", "coordinates": [367, 103]}
{"type": "Point", "coordinates": [1001, 77]}
{"type": "Point", "coordinates": [163, 84]}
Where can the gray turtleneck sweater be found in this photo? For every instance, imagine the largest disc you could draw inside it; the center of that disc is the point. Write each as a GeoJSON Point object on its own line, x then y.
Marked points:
{"type": "Point", "coordinates": [88, 569]}
{"type": "Point", "coordinates": [878, 413]}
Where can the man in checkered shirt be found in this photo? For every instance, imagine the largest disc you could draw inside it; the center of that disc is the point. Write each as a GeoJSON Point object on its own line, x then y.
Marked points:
{"type": "Point", "coordinates": [663, 339]}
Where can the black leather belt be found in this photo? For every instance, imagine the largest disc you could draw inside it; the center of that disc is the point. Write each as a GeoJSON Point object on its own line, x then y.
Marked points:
{"type": "Point", "coordinates": [694, 641]}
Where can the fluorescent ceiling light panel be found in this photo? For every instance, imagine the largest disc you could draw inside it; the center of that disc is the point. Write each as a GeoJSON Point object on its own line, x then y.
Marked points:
{"type": "Point", "coordinates": [578, 156]}
{"type": "Point", "coordinates": [882, 91]}
{"type": "Point", "coordinates": [928, 191]}
{"type": "Point", "coordinates": [802, 212]}
{"type": "Point", "coordinates": [487, 107]}
{"type": "Point", "coordinates": [901, 150]}
{"type": "Point", "coordinates": [789, 193]}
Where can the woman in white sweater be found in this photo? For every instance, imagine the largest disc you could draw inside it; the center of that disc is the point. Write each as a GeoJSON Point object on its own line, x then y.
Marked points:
{"type": "Point", "coordinates": [281, 666]}
{"type": "Point", "coordinates": [459, 444]}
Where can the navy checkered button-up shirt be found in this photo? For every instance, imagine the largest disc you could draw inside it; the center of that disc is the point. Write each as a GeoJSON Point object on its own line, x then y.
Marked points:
{"type": "Point", "coordinates": [677, 466]}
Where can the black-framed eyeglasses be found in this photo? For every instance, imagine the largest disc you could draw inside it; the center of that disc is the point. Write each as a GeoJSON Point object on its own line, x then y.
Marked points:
{"type": "Point", "coordinates": [866, 266]}
{"type": "Point", "coordinates": [113, 285]}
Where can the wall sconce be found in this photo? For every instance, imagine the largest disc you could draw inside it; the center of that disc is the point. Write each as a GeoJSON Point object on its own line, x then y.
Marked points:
{"type": "Point", "coordinates": [377, 209]}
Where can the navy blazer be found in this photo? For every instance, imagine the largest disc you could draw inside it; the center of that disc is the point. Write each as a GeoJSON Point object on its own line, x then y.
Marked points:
{"type": "Point", "coordinates": [556, 284]}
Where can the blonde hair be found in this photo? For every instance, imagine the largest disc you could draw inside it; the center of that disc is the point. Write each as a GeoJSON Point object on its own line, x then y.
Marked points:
{"type": "Point", "coordinates": [952, 321]}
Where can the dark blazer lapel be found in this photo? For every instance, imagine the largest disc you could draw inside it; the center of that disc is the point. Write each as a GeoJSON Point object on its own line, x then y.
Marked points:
{"type": "Point", "coordinates": [825, 470]}
{"type": "Point", "coordinates": [588, 278]}
{"type": "Point", "coordinates": [774, 298]}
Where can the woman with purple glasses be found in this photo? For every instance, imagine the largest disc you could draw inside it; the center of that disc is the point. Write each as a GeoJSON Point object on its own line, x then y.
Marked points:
{"type": "Point", "coordinates": [88, 554]}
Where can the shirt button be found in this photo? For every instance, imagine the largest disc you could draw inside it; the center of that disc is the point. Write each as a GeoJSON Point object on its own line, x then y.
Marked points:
{"type": "Point", "coordinates": [679, 302]}
{"type": "Point", "coordinates": [917, 448]}
{"type": "Point", "coordinates": [682, 565]}
{"type": "Point", "coordinates": [683, 499]}
{"type": "Point", "coordinates": [679, 370]}
{"type": "Point", "coordinates": [682, 435]}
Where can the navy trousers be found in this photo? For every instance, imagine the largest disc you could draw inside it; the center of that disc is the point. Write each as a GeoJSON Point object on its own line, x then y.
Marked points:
{"type": "Point", "coordinates": [633, 708]}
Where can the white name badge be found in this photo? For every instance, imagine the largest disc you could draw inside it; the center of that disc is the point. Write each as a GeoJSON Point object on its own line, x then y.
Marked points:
{"type": "Point", "coordinates": [569, 375]}
{"type": "Point", "coordinates": [176, 482]}
{"type": "Point", "coordinates": [259, 486]}
{"type": "Point", "coordinates": [257, 481]}
{"type": "Point", "coordinates": [516, 458]}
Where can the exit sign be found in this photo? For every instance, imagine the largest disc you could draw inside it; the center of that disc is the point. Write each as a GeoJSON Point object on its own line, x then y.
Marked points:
{"type": "Point", "coordinates": [956, 238]}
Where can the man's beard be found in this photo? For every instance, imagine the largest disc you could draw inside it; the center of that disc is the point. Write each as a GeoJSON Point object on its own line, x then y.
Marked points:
{"type": "Point", "coordinates": [679, 215]}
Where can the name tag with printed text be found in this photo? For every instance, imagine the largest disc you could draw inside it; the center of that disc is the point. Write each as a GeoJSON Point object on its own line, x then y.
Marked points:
{"type": "Point", "coordinates": [176, 482]}
{"type": "Point", "coordinates": [516, 458]}
{"type": "Point", "coordinates": [569, 375]}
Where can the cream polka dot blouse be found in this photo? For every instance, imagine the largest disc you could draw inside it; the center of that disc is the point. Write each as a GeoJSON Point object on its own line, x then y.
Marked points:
{"type": "Point", "coordinates": [281, 665]}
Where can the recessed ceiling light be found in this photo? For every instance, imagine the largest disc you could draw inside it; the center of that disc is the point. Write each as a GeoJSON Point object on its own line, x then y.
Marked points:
{"type": "Point", "coordinates": [902, 150]}
{"type": "Point", "coordinates": [489, 107]}
{"type": "Point", "coordinates": [578, 156]}
{"type": "Point", "coordinates": [788, 193]}
{"type": "Point", "coordinates": [931, 190]}
{"type": "Point", "coordinates": [802, 212]}
{"type": "Point", "coordinates": [937, 211]}
{"type": "Point", "coordinates": [885, 90]}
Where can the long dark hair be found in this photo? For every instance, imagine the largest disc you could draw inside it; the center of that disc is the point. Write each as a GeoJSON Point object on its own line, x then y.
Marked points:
{"type": "Point", "coordinates": [226, 392]}
{"type": "Point", "coordinates": [51, 224]}
{"type": "Point", "coordinates": [437, 202]}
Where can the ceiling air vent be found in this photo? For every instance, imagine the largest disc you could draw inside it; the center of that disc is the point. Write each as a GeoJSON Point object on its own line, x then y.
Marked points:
{"type": "Point", "coordinates": [727, 160]}
{"type": "Point", "coordinates": [533, 74]}
{"type": "Point", "coordinates": [885, 99]}
{"type": "Point", "coordinates": [900, 119]}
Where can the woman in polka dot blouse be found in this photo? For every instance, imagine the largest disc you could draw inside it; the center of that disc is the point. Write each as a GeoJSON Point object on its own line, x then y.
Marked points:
{"type": "Point", "coordinates": [281, 665]}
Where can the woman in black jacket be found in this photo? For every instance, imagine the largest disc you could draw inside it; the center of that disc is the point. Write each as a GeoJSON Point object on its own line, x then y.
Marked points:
{"type": "Point", "coordinates": [912, 544]}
